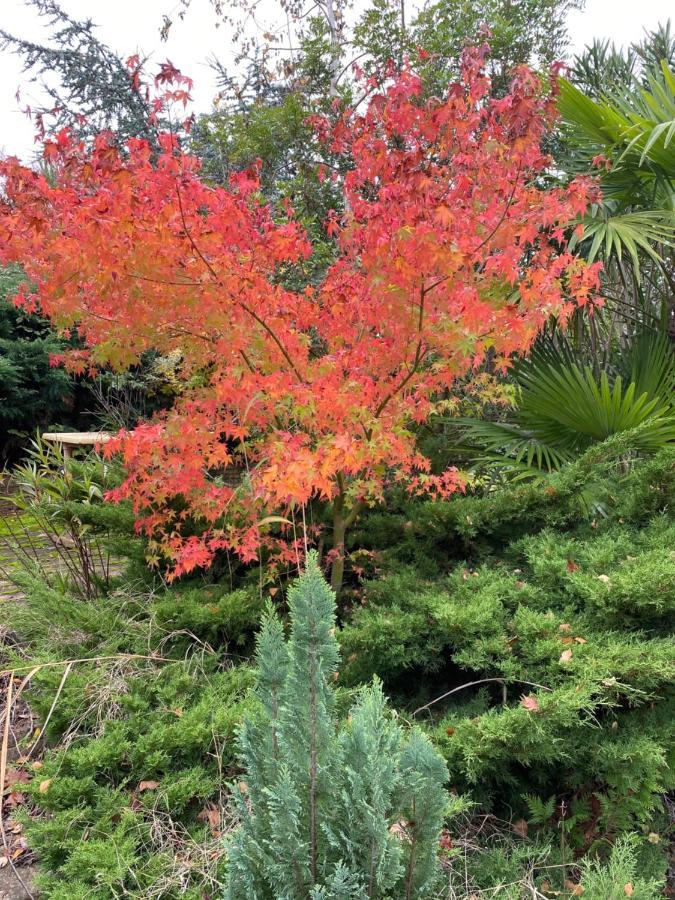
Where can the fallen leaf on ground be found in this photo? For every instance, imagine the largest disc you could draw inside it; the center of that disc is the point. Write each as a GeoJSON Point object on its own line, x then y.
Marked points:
{"type": "Point", "coordinates": [520, 827]}
{"type": "Point", "coordinates": [210, 814]}
{"type": "Point", "coordinates": [530, 703]}
{"type": "Point", "coordinates": [148, 785]}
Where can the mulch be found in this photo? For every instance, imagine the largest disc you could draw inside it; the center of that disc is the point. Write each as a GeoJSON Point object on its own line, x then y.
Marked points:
{"type": "Point", "coordinates": [17, 861]}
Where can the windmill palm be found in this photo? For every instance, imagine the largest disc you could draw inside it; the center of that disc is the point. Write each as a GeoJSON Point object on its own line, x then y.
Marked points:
{"type": "Point", "coordinates": [562, 406]}
{"type": "Point", "coordinates": [627, 136]}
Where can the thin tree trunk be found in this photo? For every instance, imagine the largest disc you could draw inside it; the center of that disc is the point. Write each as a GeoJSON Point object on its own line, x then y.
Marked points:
{"type": "Point", "coordinates": [410, 875]}
{"type": "Point", "coordinates": [339, 529]}
{"type": "Point", "coordinates": [334, 30]}
{"type": "Point", "coordinates": [342, 521]}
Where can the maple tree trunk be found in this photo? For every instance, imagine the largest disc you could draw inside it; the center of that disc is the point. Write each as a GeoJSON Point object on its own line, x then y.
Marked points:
{"type": "Point", "coordinates": [339, 530]}
{"type": "Point", "coordinates": [342, 520]}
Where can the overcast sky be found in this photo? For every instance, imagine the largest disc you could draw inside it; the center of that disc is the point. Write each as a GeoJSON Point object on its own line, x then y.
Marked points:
{"type": "Point", "coordinates": [133, 25]}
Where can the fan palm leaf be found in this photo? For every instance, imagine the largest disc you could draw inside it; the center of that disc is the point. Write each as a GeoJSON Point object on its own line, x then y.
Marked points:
{"type": "Point", "coordinates": [562, 406]}
{"type": "Point", "coordinates": [635, 131]}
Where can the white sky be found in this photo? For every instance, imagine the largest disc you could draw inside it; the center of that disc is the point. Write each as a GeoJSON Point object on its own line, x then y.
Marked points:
{"type": "Point", "coordinates": [133, 26]}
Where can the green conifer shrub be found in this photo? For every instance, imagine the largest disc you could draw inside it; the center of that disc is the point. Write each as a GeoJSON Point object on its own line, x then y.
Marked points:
{"type": "Point", "coordinates": [499, 586]}
{"type": "Point", "coordinates": [620, 876]}
{"type": "Point", "coordinates": [554, 644]}
{"type": "Point", "coordinates": [330, 813]}
{"type": "Point", "coordinates": [140, 749]}
{"type": "Point", "coordinates": [32, 393]}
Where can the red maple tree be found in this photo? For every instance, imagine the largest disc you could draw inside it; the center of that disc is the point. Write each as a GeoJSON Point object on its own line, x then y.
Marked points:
{"type": "Point", "coordinates": [451, 247]}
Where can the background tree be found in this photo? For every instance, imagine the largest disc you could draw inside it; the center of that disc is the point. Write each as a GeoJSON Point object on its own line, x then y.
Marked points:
{"type": "Point", "coordinates": [533, 32]}
{"type": "Point", "coordinates": [33, 393]}
{"type": "Point", "coordinates": [305, 65]}
{"type": "Point", "coordinates": [602, 68]}
{"type": "Point", "coordinates": [89, 86]}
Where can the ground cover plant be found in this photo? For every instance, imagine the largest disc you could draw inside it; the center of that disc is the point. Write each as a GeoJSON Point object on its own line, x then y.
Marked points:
{"type": "Point", "coordinates": [551, 608]}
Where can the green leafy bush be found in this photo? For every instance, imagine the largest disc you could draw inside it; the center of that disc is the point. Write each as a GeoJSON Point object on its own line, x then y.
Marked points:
{"type": "Point", "coordinates": [545, 614]}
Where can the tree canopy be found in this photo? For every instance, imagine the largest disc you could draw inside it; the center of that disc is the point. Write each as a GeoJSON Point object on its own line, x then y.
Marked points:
{"type": "Point", "coordinates": [449, 251]}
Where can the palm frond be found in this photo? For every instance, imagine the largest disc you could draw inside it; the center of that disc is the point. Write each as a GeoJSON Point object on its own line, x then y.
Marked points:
{"type": "Point", "coordinates": [563, 407]}
{"type": "Point", "coordinates": [627, 234]}
{"type": "Point", "coordinates": [635, 131]}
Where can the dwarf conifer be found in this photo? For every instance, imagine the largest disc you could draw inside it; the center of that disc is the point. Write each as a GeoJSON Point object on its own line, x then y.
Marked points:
{"type": "Point", "coordinates": [329, 812]}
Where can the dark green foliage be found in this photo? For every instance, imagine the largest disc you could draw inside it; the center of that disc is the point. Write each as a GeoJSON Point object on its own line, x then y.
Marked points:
{"type": "Point", "coordinates": [329, 814]}
{"type": "Point", "coordinates": [36, 395]}
{"type": "Point", "coordinates": [33, 394]}
{"type": "Point", "coordinates": [534, 593]}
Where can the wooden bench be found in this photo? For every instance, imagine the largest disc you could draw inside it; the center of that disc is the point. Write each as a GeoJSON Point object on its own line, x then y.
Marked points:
{"type": "Point", "coordinates": [69, 440]}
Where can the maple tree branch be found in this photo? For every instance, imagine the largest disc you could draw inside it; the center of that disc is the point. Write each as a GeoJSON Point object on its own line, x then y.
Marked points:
{"type": "Point", "coordinates": [172, 329]}
{"type": "Point", "coordinates": [162, 280]}
{"type": "Point", "coordinates": [192, 241]}
{"type": "Point", "coordinates": [241, 303]}
{"type": "Point", "coordinates": [419, 356]}
{"type": "Point", "coordinates": [274, 337]}
{"type": "Point", "coordinates": [492, 233]}
{"type": "Point", "coordinates": [354, 513]}
{"type": "Point", "coordinates": [503, 215]}
{"type": "Point", "coordinates": [254, 371]}
{"type": "Point", "coordinates": [248, 362]}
